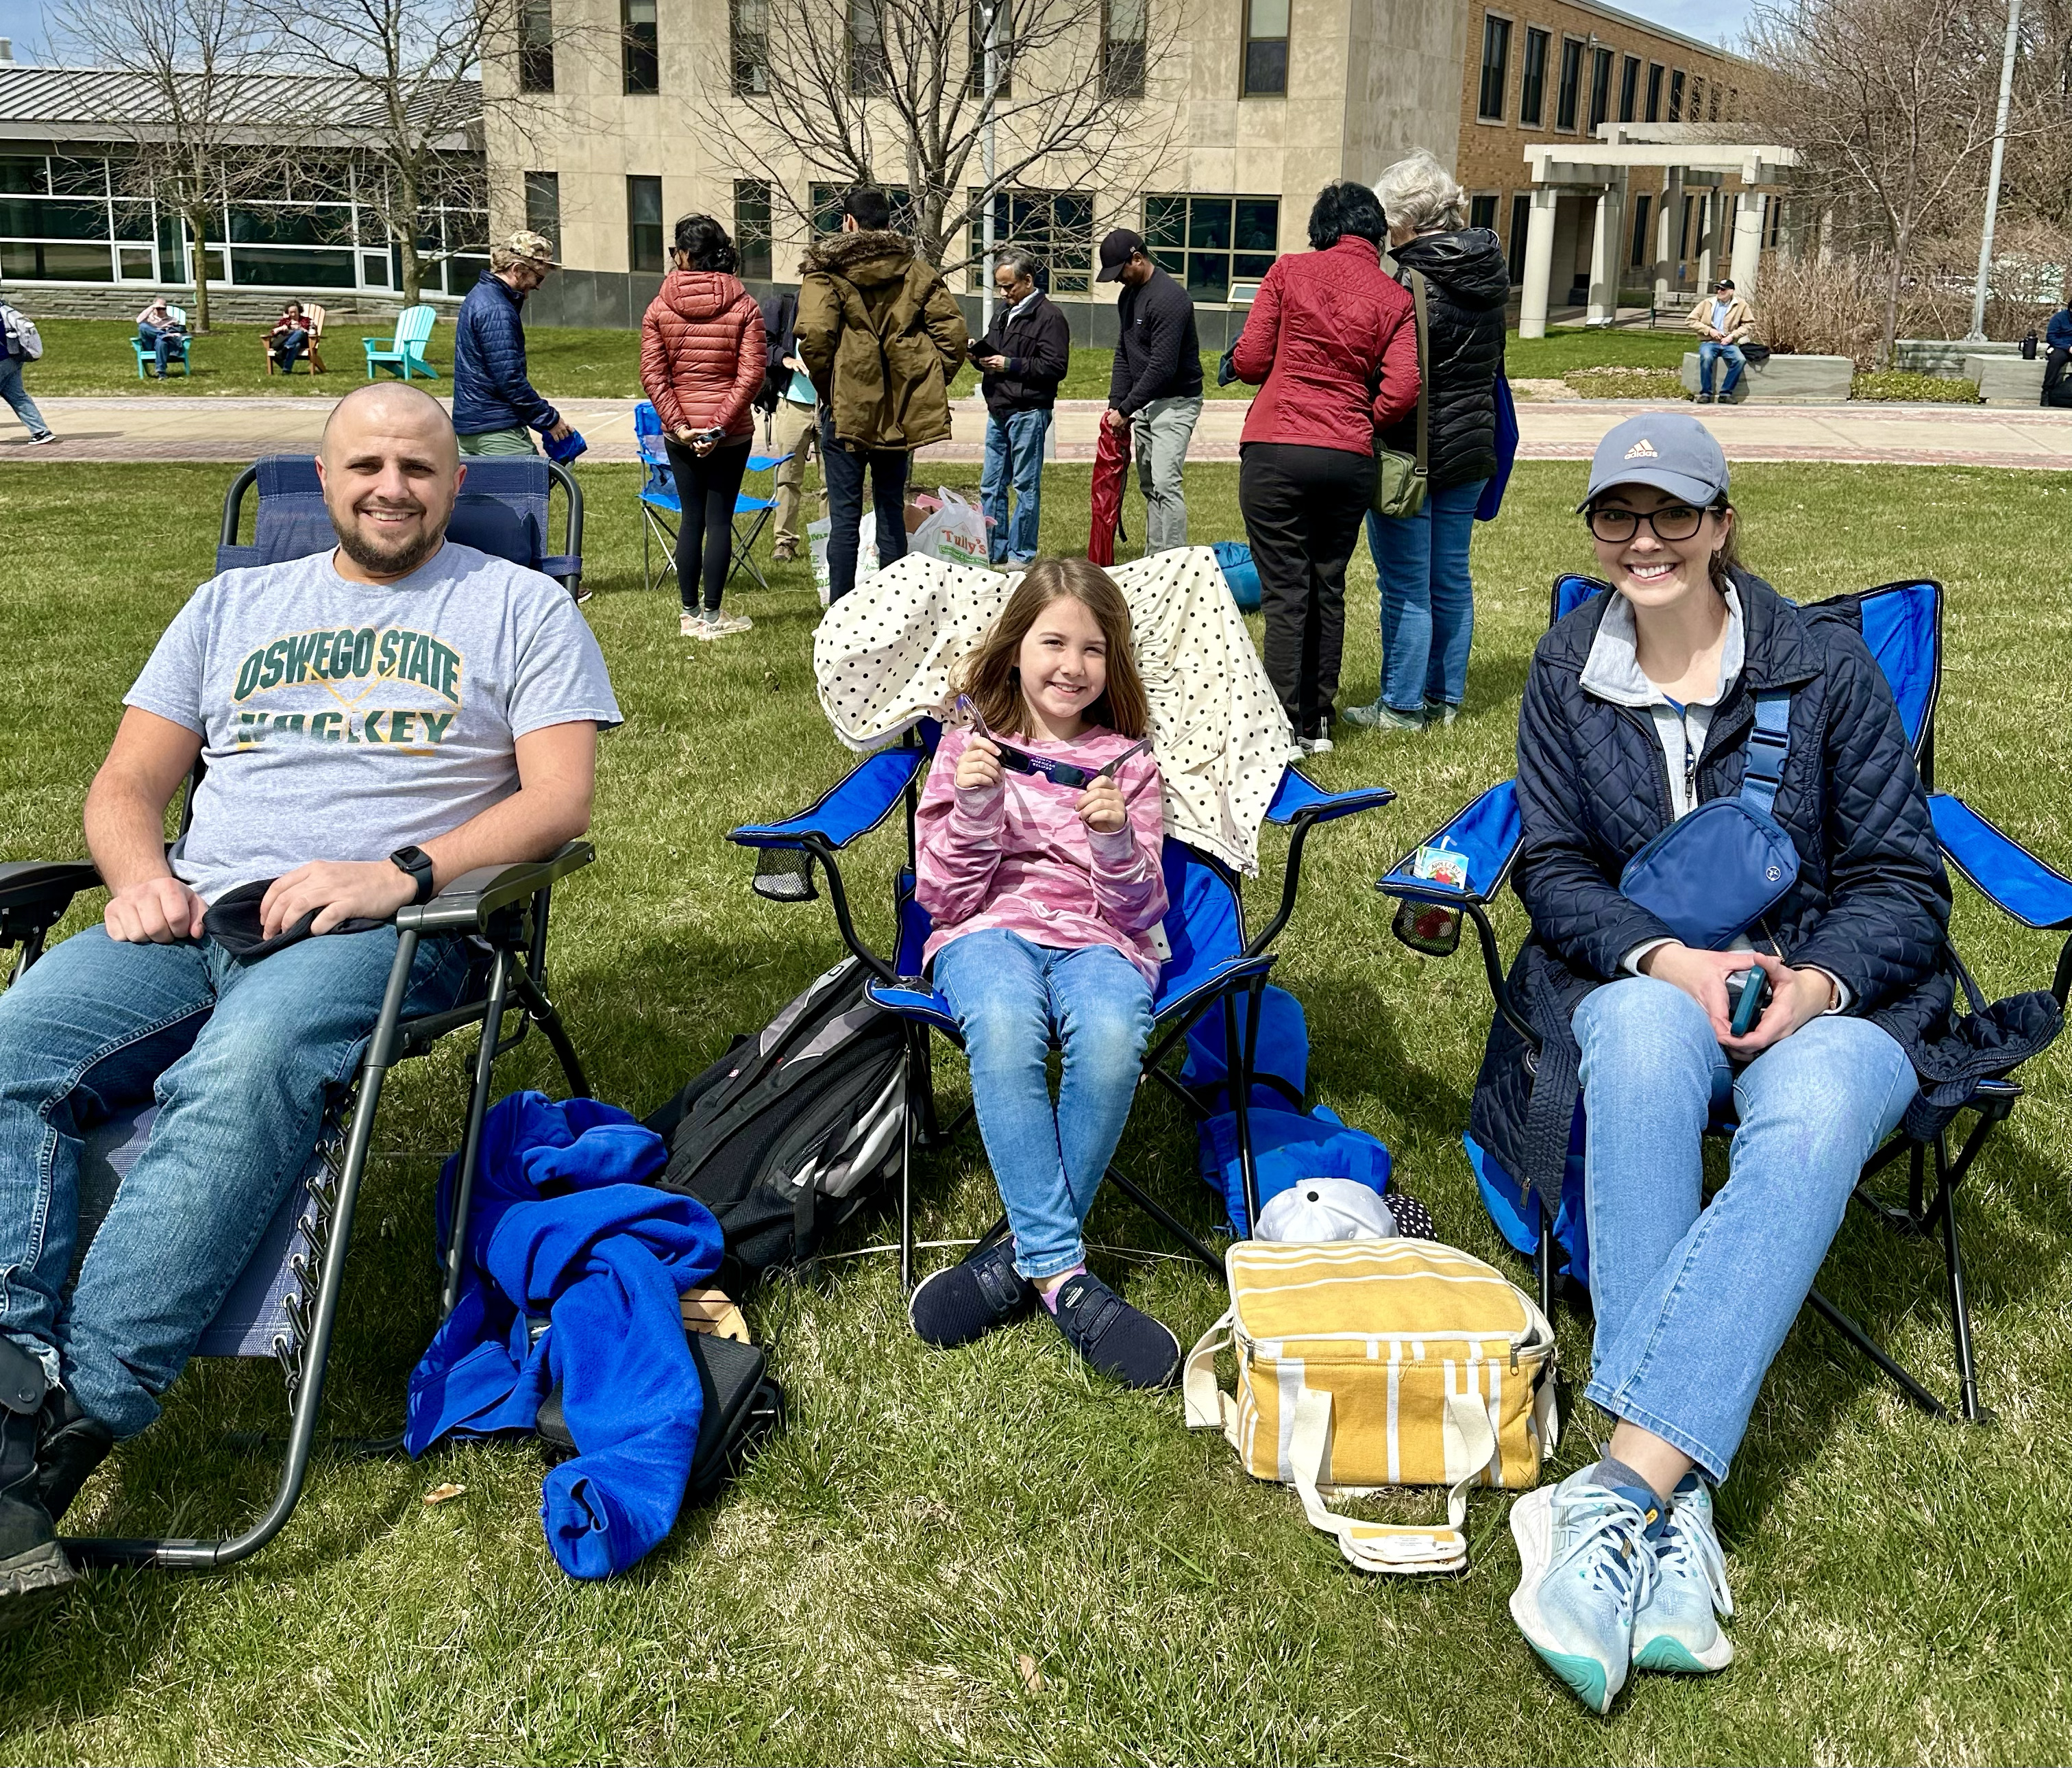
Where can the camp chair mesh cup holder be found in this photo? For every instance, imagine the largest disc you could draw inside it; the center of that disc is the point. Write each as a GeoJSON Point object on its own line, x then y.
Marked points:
{"type": "Point", "coordinates": [502, 911]}
{"type": "Point", "coordinates": [1902, 626]}
{"type": "Point", "coordinates": [662, 507]}
{"type": "Point", "coordinates": [1215, 963]}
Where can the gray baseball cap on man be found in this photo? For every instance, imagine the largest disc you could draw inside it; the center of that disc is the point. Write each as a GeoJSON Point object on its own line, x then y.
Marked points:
{"type": "Point", "coordinates": [1672, 451]}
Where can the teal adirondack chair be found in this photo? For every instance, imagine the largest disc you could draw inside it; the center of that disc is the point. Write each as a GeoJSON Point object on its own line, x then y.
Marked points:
{"type": "Point", "coordinates": [179, 346]}
{"type": "Point", "coordinates": [405, 355]}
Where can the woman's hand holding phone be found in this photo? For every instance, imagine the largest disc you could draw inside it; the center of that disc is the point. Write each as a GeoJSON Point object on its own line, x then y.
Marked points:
{"type": "Point", "coordinates": [1100, 806]}
{"type": "Point", "coordinates": [1797, 995]}
{"type": "Point", "coordinates": [978, 767]}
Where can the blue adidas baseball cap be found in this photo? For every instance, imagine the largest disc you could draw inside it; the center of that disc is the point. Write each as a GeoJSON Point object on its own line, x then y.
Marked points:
{"type": "Point", "coordinates": [1672, 451]}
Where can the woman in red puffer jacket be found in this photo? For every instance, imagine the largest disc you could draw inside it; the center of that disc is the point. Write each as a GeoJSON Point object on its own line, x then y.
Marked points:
{"type": "Point", "coordinates": [701, 362]}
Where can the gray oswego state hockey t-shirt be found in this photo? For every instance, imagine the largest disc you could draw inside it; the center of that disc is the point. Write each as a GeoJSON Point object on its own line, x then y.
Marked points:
{"type": "Point", "coordinates": [342, 721]}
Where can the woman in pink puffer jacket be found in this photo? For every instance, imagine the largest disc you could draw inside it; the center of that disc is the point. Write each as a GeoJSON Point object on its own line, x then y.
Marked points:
{"type": "Point", "coordinates": [701, 361]}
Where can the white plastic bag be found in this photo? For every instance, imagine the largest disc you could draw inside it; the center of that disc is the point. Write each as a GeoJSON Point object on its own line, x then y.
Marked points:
{"type": "Point", "coordinates": [816, 548]}
{"type": "Point", "coordinates": [955, 533]}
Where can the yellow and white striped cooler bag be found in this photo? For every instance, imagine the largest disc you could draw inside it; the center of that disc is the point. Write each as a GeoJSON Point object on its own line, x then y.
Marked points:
{"type": "Point", "coordinates": [1367, 1363]}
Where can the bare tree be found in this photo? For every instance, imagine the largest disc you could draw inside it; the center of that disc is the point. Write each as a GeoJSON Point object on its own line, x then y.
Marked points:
{"type": "Point", "coordinates": [203, 117]}
{"type": "Point", "coordinates": [1085, 94]}
{"type": "Point", "coordinates": [409, 71]}
{"type": "Point", "coordinates": [1891, 104]}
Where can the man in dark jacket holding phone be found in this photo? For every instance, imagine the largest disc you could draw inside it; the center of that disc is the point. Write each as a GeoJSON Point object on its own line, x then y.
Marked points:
{"type": "Point", "coordinates": [1023, 356]}
{"type": "Point", "coordinates": [1156, 388]}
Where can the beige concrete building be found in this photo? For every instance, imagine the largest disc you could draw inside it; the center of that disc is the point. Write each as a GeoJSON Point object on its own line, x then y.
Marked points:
{"type": "Point", "coordinates": [1275, 98]}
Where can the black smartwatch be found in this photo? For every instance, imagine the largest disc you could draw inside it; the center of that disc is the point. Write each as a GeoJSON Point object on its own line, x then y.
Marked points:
{"type": "Point", "coordinates": [418, 864]}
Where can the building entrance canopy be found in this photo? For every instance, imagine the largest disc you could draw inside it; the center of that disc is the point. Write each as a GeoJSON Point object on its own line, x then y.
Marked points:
{"type": "Point", "coordinates": [1695, 160]}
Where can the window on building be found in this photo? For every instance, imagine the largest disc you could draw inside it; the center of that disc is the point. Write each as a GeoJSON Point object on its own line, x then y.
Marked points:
{"type": "Point", "coordinates": [644, 224]}
{"type": "Point", "coordinates": [641, 48]}
{"type": "Point", "coordinates": [1568, 96]}
{"type": "Point", "coordinates": [1713, 106]}
{"type": "Point", "coordinates": [1057, 227]}
{"type": "Point", "coordinates": [1630, 89]}
{"type": "Point", "coordinates": [868, 70]}
{"type": "Point", "coordinates": [1654, 72]}
{"type": "Point", "coordinates": [1521, 219]}
{"type": "Point", "coordinates": [1208, 241]}
{"type": "Point", "coordinates": [535, 46]}
{"type": "Point", "coordinates": [1003, 46]}
{"type": "Point", "coordinates": [1683, 234]}
{"type": "Point", "coordinates": [1125, 27]}
{"type": "Point", "coordinates": [1676, 95]}
{"type": "Point", "coordinates": [1482, 213]}
{"type": "Point", "coordinates": [543, 206]}
{"type": "Point", "coordinates": [1774, 217]}
{"type": "Point", "coordinates": [1265, 49]}
{"type": "Point", "coordinates": [1601, 87]}
{"type": "Point", "coordinates": [1496, 68]}
{"type": "Point", "coordinates": [826, 200]}
{"type": "Point", "coordinates": [748, 45]}
{"type": "Point", "coordinates": [1640, 206]}
{"type": "Point", "coordinates": [1696, 108]}
{"type": "Point", "coordinates": [1532, 80]}
{"type": "Point", "coordinates": [751, 226]}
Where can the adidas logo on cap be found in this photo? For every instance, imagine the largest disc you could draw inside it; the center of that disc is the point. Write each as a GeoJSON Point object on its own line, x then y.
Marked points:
{"type": "Point", "coordinates": [1643, 449]}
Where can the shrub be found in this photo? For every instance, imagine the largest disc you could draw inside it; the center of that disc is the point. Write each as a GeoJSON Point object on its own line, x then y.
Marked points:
{"type": "Point", "coordinates": [1650, 383]}
{"type": "Point", "coordinates": [1897, 383]}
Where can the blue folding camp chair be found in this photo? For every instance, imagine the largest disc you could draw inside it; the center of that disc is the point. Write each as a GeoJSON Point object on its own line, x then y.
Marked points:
{"type": "Point", "coordinates": [1213, 962]}
{"type": "Point", "coordinates": [284, 1305]}
{"type": "Point", "coordinates": [1902, 626]}
{"type": "Point", "coordinates": [661, 508]}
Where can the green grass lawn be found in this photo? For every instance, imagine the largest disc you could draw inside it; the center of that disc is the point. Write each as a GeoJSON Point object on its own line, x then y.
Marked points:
{"type": "Point", "coordinates": [867, 1591]}
{"type": "Point", "coordinates": [1567, 348]}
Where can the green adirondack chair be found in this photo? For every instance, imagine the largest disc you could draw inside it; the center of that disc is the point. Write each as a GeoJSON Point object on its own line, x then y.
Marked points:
{"type": "Point", "coordinates": [180, 345]}
{"type": "Point", "coordinates": [405, 355]}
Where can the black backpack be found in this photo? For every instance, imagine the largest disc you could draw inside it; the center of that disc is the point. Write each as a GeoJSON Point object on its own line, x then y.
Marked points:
{"type": "Point", "coordinates": [790, 1134]}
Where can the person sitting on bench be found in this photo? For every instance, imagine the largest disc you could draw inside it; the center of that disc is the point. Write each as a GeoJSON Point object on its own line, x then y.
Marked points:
{"type": "Point", "coordinates": [375, 720]}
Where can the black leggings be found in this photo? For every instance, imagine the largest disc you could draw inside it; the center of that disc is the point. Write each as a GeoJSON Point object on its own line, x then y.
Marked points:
{"type": "Point", "coordinates": [706, 487]}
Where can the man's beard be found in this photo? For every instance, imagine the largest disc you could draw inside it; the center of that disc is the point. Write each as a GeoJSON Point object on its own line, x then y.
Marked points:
{"type": "Point", "coordinates": [397, 559]}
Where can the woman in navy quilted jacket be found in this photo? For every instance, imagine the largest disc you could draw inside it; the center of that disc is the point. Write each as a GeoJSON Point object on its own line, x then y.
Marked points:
{"type": "Point", "coordinates": [1640, 705]}
{"type": "Point", "coordinates": [701, 363]}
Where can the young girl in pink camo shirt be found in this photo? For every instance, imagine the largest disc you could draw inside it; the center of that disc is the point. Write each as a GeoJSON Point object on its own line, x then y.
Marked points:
{"type": "Point", "coordinates": [1046, 897]}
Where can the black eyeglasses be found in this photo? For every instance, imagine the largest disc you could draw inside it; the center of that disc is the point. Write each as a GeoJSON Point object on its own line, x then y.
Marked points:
{"type": "Point", "coordinates": [1057, 773]}
{"type": "Point", "coordinates": [1672, 522]}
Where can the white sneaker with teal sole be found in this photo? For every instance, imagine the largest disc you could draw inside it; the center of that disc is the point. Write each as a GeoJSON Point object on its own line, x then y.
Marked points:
{"type": "Point", "coordinates": [1677, 1628]}
{"type": "Point", "coordinates": [1586, 1567]}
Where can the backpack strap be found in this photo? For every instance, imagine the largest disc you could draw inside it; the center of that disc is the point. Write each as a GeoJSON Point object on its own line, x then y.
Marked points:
{"type": "Point", "coordinates": [1769, 743]}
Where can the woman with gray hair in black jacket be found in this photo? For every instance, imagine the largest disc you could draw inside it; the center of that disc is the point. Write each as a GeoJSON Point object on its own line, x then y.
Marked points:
{"type": "Point", "coordinates": [1428, 610]}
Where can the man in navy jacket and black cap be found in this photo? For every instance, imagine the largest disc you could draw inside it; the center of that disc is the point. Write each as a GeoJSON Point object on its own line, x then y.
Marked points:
{"type": "Point", "coordinates": [1156, 388]}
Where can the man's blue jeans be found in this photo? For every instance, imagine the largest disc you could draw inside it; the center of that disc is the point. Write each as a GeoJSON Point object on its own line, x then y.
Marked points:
{"type": "Point", "coordinates": [1011, 997]}
{"type": "Point", "coordinates": [1014, 453]}
{"type": "Point", "coordinates": [1709, 353]}
{"type": "Point", "coordinates": [166, 343]}
{"type": "Point", "coordinates": [1692, 1304]}
{"type": "Point", "coordinates": [1427, 598]}
{"type": "Point", "coordinates": [17, 395]}
{"type": "Point", "coordinates": [241, 1060]}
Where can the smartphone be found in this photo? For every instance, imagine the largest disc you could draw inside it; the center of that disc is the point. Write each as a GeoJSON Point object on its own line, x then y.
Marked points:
{"type": "Point", "coordinates": [1749, 991]}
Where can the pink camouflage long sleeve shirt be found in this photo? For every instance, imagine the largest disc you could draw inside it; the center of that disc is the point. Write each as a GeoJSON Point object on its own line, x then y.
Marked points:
{"type": "Point", "coordinates": [1019, 857]}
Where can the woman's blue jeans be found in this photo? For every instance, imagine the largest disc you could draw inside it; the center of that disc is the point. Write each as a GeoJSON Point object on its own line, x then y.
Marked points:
{"type": "Point", "coordinates": [1012, 998]}
{"type": "Point", "coordinates": [1427, 599]}
{"type": "Point", "coordinates": [1693, 1301]}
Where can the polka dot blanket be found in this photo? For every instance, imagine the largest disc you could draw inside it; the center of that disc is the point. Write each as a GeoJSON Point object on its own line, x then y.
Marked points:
{"type": "Point", "coordinates": [883, 655]}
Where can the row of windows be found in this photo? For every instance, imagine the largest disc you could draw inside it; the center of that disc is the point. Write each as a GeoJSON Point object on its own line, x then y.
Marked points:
{"type": "Point", "coordinates": [1671, 95]}
{"type": "Point", "coordinates": [315, 228]}
{"type": "Point", "coordinates": [1207, 242]}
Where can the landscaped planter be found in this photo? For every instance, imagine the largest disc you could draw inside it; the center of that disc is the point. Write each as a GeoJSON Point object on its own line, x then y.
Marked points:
{"type": "Point", "coordinates": [1782, 380]}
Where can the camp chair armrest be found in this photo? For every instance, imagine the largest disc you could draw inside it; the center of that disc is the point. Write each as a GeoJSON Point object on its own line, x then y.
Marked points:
{"type": "Point", "coordinates": [1486, 834]}
{"type": "Point", "coordinates": [1999, 867]}
{"type": "Point", "coordinates": [1219, 980]}
{"type": "Point", "coordinates": [1300, 800]}
{"type": "Point", "coordinates": [854, 805]}
{"type": "Point", "coordinates": [468, 901]}
{"type": "Point", "coordinates": [35, 893]}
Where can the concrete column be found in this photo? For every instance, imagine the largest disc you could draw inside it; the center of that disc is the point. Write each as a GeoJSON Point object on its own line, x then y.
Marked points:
{"type": "Point", "coordinates": [1606, 251]}
{"type": "Point", "coordinates": [1665, 241]}
{"type": "Point", "coordinates": [1706, 204]}
{"type": "Point", "coordinates": [1539, 275]}
{"type": "Point", "coordinates": [1748, 242]}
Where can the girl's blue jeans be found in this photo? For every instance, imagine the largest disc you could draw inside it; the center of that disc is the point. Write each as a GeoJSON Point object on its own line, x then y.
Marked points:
{"type": "Point", "coordinates": [1693, 1301]}
{"type": "Point", "coordinates": [1427, 599]}
{"type": "Point", "coordinates": [1014, 999]}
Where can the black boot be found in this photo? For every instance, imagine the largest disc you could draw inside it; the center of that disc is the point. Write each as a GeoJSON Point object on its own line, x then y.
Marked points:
{"type": "Point", "coordinates": [69, 1446]}
{"type": "Point", "coordinates": [34, 1570]}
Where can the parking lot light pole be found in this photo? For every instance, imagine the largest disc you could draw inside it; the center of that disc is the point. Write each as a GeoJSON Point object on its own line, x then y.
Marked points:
{"type": "Point", "coordinates": [1977, 334]}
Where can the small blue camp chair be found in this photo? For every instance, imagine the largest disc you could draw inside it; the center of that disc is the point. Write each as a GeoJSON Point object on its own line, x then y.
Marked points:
{"type": "Point", "coordinates": [404, 354]}
{"type": "Point", "coordinates": [756, 512]}
{"type": "Point", "coordinates": [147, 354]}
{"type": "Point", "coordinates": [1902, 625]}
{"type": "Point", "coordinates": [284, 1305]}
{"type": "Point", "coordinates": [661, 508]}
{"type": "Point", "coordinates": [1213, 963]}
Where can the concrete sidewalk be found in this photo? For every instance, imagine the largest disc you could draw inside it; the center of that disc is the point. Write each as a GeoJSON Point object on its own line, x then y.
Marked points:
{"type": "Point", "coordinates": [238, 429]}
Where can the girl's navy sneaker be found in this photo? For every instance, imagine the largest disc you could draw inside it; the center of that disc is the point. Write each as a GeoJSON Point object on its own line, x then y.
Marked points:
{"type": "Point", "coordinates": [1114, 1337]}
{"type": "Point", "coordinates": [965, 1302]}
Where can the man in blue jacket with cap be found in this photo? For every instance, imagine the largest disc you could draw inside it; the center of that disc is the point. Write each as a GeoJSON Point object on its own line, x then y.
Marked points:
{"type": "Point", "coordinates": [494, 408]}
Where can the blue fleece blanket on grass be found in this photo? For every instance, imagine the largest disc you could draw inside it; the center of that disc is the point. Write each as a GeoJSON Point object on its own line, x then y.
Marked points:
{"type": "Point", "coordinates": [564, 1223]}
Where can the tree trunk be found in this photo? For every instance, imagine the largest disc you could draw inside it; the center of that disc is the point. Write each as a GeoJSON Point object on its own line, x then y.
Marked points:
{"type": "Point", "coordinates": [407, 207]}
{"type": "Point", "coordinates": [197, 225]}
{"type": "Point", "coordinates": [1888, 330]}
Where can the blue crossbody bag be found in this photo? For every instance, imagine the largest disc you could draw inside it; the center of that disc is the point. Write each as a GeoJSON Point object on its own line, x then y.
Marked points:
{"type": "Point", "coordinates": [1713, 874]}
